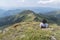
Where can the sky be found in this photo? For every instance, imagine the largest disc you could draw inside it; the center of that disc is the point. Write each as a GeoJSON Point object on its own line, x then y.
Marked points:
{"type": "Point", "coordinates": [29, 3]}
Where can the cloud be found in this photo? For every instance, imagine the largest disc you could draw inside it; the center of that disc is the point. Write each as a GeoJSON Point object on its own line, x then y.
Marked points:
{"type": "Point", "coordinates": [20, 0]}
{"type": "Point", "coordinates": [45, 2]}
{"type": "Point", "coordinates": [29, 3]}
{"type": "Point", "coordinates": [49, 3]}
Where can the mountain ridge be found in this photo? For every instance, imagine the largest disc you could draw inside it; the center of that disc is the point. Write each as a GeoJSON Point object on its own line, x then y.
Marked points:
{"type": "Point", "coordinates": [26, 16]}
{"type": "Point", "coordinates": [17, 18]}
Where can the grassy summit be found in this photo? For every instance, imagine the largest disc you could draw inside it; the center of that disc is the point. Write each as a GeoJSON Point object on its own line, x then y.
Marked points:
{"type": "Point", "coordinates": [29, 31]}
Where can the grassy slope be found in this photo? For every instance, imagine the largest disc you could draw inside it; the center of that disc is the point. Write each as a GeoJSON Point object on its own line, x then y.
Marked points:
{"type": "Point", "coordinates": [29, 31]}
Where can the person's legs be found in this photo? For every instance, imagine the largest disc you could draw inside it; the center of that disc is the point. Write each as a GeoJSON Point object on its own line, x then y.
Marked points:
{"type": "Point", "coordinates": [43, 27]}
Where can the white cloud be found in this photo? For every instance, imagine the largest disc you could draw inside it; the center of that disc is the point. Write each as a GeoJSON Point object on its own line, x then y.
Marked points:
{"type": "Point", "coordinates": [20, 0]}
{"type": "Point", "coordinates": [49, 3]}
{"type": "Point", "coordinates": [45, 2]}
{"type": "Point", "coordinates": [29, 3]}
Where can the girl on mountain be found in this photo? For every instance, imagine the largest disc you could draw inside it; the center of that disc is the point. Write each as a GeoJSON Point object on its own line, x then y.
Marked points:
{"type": "Point", "coordinates": [44, 24]}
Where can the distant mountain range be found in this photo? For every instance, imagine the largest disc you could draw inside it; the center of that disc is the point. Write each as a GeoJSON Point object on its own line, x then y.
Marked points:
{"type": "Point", "coordinates": [54, 13]}
{"type": "Point", "coordinates": [4, 13]}
{"type": "Point", "coordinates": [9, 12]}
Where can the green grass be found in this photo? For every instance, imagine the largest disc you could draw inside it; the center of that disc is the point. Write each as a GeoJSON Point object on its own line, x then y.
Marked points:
{"type": "Point", "coordinates": [30, 31]}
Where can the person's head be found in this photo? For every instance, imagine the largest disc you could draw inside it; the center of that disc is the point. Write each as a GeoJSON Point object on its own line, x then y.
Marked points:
{"type": "Point", "coordinates": [44, 21]}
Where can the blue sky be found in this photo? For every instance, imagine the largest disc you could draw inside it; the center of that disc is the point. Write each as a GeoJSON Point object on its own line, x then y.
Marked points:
{"type": "Point", "coordinates": [29, 3]}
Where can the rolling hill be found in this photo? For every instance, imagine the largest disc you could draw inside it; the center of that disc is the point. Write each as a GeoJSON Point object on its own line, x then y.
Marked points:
{"type": "Point", "coordinates": [54, 13]}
